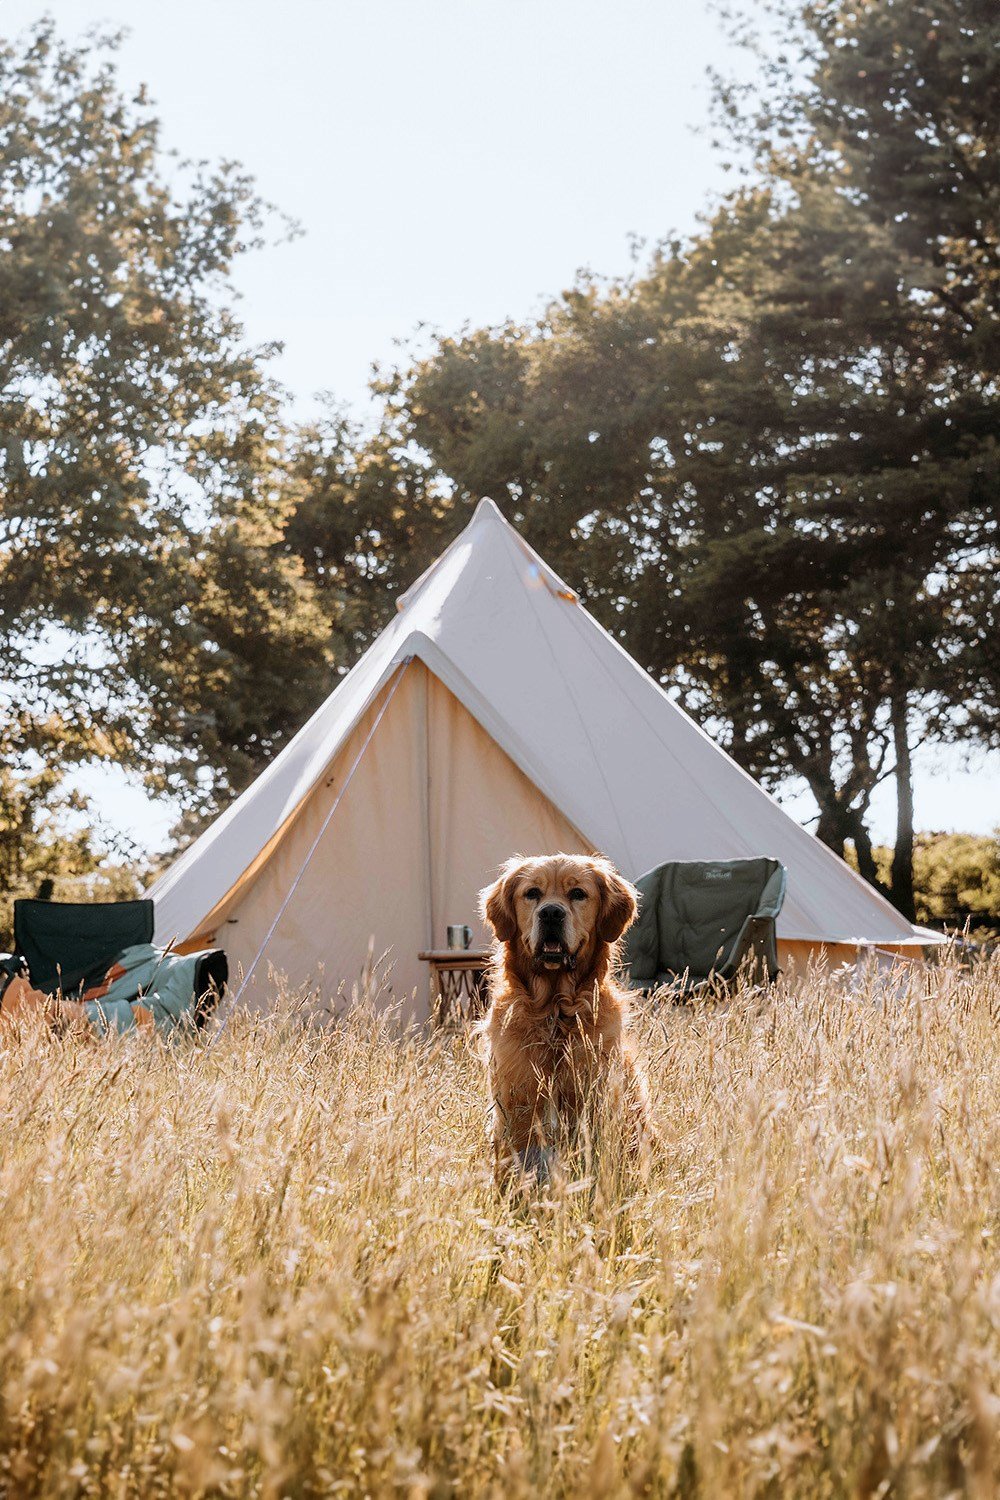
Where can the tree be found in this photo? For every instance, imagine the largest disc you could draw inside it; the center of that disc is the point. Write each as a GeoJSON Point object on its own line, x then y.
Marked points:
{"type": "Point", "coordinates": [149, 611]}
{"type": "Point", "coordinates": [893, 112]}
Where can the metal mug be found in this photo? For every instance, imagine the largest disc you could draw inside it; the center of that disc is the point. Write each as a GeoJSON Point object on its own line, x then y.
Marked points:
{"type": "Point", "coordinates": [459, 937]}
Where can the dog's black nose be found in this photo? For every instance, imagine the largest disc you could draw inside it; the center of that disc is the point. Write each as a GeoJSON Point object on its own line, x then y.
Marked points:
{"type": "Point", "coordinates": [552, 915]}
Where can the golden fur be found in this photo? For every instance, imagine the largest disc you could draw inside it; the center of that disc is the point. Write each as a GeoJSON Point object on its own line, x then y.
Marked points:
{"type": "Point", "coordinates": [557, 1024]}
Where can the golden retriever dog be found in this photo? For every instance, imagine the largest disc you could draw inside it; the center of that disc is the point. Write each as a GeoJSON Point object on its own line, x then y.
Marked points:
{"type": "Point", "coordinates": [557, 1025]}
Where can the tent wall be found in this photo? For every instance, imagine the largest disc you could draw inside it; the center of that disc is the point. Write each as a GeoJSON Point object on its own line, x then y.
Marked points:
{"type": "Point", "coordinates": [482, 810]}
{"type": "Point", "coordinates": [797, 958]}
{"type": "Point", "coordinates": [432, 809]}
{"type": "Point", "coordinates": [363, 885]}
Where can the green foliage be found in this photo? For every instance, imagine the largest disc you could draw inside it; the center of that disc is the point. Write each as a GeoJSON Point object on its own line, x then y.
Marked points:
{"type": "Point", "coordinates": [956, 879]}
{"type": "Point", "coordinates": [149, 611]}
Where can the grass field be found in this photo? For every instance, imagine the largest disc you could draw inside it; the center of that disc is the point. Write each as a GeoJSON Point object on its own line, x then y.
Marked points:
{"type": "Point", "coordinates": [280, 1268]}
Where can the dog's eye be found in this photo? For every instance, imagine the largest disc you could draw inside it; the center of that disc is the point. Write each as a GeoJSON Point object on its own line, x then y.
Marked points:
{"type": "Point", "coordinates": [576, 894]}
{"type": "Point", "coordinates": [534, 894]}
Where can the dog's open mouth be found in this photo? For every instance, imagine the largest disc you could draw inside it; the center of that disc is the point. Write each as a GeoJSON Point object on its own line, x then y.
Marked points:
{"type": "Point", "coordinates": [554, 954]}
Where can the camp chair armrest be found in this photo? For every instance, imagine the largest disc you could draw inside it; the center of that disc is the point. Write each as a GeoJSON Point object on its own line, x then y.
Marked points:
{"type": "Point", "coordinates": [757, 938]}
{"type": "Point", "coordinates": [772, 897]}
{"type": "Point", "coordinates": [641, 951]}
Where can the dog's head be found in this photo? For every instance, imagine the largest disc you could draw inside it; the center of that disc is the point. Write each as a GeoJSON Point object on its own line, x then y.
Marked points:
{"type": "Point", "coordinates": [560, 911]}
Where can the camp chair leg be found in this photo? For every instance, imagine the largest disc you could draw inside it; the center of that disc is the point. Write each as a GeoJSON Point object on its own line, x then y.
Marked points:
{"type": "Point", "coordinates": [757, 955]}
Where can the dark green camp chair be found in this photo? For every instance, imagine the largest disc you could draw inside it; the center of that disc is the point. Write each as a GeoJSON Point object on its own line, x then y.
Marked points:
{"type": "Point", "coordinates": [68, 945]}
{"type": "Point", "coordinates": [702, 921]}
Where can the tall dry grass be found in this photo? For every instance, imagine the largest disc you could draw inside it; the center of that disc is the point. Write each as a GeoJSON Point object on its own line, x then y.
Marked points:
{"type": "Point", "coordinates": [279, 1267]}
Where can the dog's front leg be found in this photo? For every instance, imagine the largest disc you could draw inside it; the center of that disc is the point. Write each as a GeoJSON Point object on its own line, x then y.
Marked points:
{"type": "Point", "coordinates": [521, 1134]}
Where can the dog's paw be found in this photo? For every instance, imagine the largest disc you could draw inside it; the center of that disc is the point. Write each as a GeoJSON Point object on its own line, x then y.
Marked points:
{"type": "Point", "coordinates": [538, 1162]}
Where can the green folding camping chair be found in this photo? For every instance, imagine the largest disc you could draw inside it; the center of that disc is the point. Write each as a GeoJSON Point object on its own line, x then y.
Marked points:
{"type": "Point", "coordinates": [68, 945]}
{"type": "Point", "coordinates": [701, 922]}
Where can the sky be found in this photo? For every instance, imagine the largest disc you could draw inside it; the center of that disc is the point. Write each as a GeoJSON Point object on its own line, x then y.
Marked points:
{"type": "Point", "coordinates": [449, 162]}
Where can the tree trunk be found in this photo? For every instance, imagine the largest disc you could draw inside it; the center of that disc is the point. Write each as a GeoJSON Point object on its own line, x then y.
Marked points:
{"type": "Point", "coordinates": [830, 829]}
{"type": "Point", "coordinates": [838, 824]}
{"type": "Point", "coordinates": [901, 890]}
{"type": "Point", "coordinates": [861, 839]}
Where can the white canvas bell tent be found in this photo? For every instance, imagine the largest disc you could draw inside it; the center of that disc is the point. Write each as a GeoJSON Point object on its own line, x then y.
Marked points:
{"type": "Point", "coordinates": [493, 715]}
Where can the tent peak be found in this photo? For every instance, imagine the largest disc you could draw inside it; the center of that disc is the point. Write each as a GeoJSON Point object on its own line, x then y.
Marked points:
{"type": "Point", "coordinates": [488, 528]}
{"type": "Point", "coordinates": [487, 510]}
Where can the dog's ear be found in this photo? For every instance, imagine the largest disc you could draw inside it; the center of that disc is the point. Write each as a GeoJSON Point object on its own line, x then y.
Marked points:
{"type": "Point", "coordinates": [619, 903]}
{"type": "Point", "coordinates": [496, 903]}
